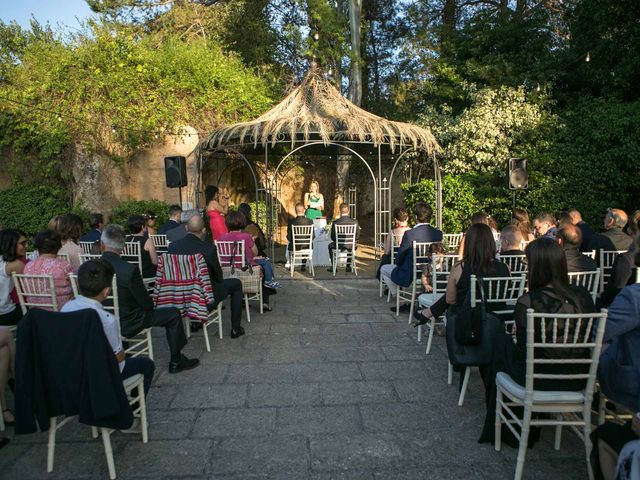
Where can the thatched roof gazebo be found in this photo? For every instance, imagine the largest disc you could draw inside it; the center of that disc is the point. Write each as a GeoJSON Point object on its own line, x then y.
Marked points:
{"type": "Point", "coordinates": [316, 115]}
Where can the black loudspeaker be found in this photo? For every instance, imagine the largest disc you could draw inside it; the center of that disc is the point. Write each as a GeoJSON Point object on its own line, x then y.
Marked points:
{"type": "Point", "coordinates": [518, 175]}
{"type": "Point", "coordinates": [175, 171]}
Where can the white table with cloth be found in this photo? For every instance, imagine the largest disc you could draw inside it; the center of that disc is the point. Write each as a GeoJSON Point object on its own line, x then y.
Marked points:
{"type": "Point", "coordinates": [321, 243]}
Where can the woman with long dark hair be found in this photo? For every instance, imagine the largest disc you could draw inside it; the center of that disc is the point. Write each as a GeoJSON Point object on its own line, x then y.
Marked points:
{"type": "Point", "coordinates": [520, 218]}
{"type": "Point", "coordinates": [479, 259]}
{"type": "Point", "coordinates": [70, 228]}
{"type": "Point", "coordinates": [13, 247]}
{"type": "Point", "coordinates": [549, 292]}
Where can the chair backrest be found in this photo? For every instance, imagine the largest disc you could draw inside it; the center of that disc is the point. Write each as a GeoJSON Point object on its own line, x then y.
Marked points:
{"type": "Point", "coordinates": [182, 281]}
{"type": "Point", "coordinates": [346, 236]}
{"type": "Point", "coordinates": [517, 263]}
{"type": "Point", "coordinates": [451, 241]}
{"type": "Point", "coordinates": [422, 252]}
{"type": "Point", "coordinates": [441, 267]}
{"type": "Point", "coordinates": [498, 290]}
{"type": "Point", "coordinates": [88, 247]}
{"type": "Point", "coordinates": [226, 253]}
{"type": "Point", "coordinates": [607, 257]}
{"type": "Point", "coordinates": [85, 257]}
{"type": "Point", "coordinates": [395, 244]}
{"type": "Point", "coordinates": [131, 253]}
{"type": "Point", "coordinates": [569, 332]}
{"type": "Point", "coordinates": [110, 303]}
{"type": "Point", "coordinates": [591, 254]}
{"type": "Point", "coordinates": [34, 254]}
{"type": "Point", "coordinates": [588, 280]}
{"type": "Point", "coordinates": [37, 291]}
{"type": "Point", "coordinates": [302, 237]}
{"type": "Point", "coordinates": [160, 242]}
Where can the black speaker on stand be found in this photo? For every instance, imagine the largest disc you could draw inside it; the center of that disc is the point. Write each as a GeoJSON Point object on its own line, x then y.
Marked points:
{"type": "Point", "coordinates": [518, 176]}
{"type": "Point", "coordinates": [175, 172]}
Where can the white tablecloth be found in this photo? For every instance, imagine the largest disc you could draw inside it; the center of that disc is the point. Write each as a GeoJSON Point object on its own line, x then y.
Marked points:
{"type": "Point", "coordinates": [321, 250]}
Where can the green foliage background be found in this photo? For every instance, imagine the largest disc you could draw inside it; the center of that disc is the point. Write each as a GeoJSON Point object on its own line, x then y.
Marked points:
{"type": "Point", "coordinates": [122, 211]}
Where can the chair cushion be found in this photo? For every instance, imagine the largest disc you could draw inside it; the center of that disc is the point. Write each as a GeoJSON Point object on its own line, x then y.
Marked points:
{"type": "Point", "coordinates": [517, 392]}
{"type": "Point", "coordinates": [426, 299]}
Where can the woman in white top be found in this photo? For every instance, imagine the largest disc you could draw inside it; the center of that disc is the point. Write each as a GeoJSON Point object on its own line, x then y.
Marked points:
{"type": "Point", "coordinates": [70, 229]}
{"type": "Point", "coordinates": [13, 248]}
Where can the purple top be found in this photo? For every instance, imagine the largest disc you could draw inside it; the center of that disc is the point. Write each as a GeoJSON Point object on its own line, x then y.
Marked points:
{"type": "Point", "coordinates": [248, 245]}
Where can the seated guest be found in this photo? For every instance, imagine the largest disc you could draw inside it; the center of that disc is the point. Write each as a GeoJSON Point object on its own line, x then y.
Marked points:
{"type": "Point", "coordinates": [261, 240]}
{"type": "Point", "coordinates": [180, 232]}
{"type": "Point", "coordinates": [585, 229]}
{"type": "Point", "coordinates": [619, 369]}
{"type": "Point", "coordinates": [96, 221]}
{"type": "Point", "coordinates": [7, 371]}
{"type": "Point", "coordinates": [479, 260]}
{"type": "Point", "coordinates": [549, 292]}
{"type": "Point", "coordinates": [511, 241]}
{"type": "Point", "coordinates": [70, 229]}
{"type": "Point", "coordinates": [563, 217]}
{"type": "Point", "coordinates": [544, 225]}
{"type": "Point", "coordinates": [298, 220]}
{"type": "Point", "coordinates": [614, 237]}
{"type": "Point", "coordinates": [47, 243]}
{"type": "Point", "coordinates": [520, 219]}
{"type": "Point", "coordinates": [623, 266]}
{"type": "Point", "coordinates": [138, 229]}
{"type": "Point", "coordinates": [235, 222]}
{"type": "Point", "coordinates": [344, 219]}
{"type": "Point", "coordinates": [608, 441]}
{"type": "Point", "coordinates": [401, 274]}
{"type": "Point", "coordinates": [175, 213]}
{"type": "Point", "coordinates": [263, 261]}
{"type": "Point", "coordinates": [94, 283]}
{"type": "Point", "coordinates": [570, 237]}
{"type": "Point", "coordinates": [137, 311]}
{"type": "Point", "coordinates": [194, 243]}
{"type": "Point", "coordinates": [13, 247]}
{"type": "Point", "coordinates": [401, 225]}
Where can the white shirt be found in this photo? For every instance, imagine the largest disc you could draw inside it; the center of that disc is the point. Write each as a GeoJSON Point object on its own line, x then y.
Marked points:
{"type": "Point", "coordinates": [109, 322]}
{"type": "Point", "coordinates": [6, 285]}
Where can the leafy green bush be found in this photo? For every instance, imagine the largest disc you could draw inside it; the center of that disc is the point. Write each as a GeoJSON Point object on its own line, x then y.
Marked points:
{"type": "Point", "coordinates": [458, 198]}
{"type": "Point", "coordinates": [122, 211]}
{"type": "Point", "coordinates": [30, 207]}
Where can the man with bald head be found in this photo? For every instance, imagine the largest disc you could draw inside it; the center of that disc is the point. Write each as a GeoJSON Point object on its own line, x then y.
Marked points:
{"type": "Point", "coordinates": [614, 238]}
{"type": "Point", "coordinates": [194, 243]}
{"type": "Point", "coordinates": [585, 229]}
{"type": "Point", "coordinates": [570, 237]}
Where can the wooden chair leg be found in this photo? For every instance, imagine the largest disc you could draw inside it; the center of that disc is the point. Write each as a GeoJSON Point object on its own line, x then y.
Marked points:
{"type": "Point", "coordinates": [498, 421]}
{"type": "Point", "coordinates": [465, 385]}
{"type": "Point", "coordinates": [106, 440]}
{"type": "Point", "coordinates": [246, 307]}
{"type": "Point", "coordinates": [524, 442]}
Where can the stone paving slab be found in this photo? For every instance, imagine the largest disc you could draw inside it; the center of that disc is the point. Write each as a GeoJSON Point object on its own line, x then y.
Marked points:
{"type": "Point", "coordinates": [336, 387]}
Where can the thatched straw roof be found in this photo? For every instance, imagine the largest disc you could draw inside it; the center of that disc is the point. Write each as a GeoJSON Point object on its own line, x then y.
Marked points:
{"type": "Point", "coordinates": [316, 110]}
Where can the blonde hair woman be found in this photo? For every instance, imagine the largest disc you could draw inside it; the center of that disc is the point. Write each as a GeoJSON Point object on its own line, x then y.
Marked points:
{"type": "Point", "coordinates": [313, 201]}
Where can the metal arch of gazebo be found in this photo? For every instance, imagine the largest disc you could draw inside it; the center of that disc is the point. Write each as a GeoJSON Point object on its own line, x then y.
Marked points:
{"type": "Point", "coordinates": [268, 191]}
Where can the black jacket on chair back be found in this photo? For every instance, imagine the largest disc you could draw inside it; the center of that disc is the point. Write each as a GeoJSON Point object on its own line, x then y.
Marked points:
{"type": "Point", "coordinates": [65, 366]}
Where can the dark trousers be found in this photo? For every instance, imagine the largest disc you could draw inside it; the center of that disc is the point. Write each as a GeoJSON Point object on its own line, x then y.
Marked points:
{"type": "Point", "coordinates": [332, 247]}
{"type": "Point", "coordinates": [230, 287]}
{"type": "Point", "coordinates": [170, 319]}
{"type": "Point", "coordinates": [141, 365]}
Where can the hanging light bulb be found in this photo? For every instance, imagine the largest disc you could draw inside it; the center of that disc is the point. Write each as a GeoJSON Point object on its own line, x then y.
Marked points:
{"type": "Point", "coordinates": [113, 129]}
{"type": "Point", "coordinates": [316, 36]}
{"type": "Point", "coordinates": [538, 88]}
{"type": "Point", "coordinates": [588, 57]}
{"type": "Point", "coordinates": [59, 118]}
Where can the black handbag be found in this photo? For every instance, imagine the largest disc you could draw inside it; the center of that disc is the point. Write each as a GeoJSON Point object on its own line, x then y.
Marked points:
{"type": "Point", "coordinates": [484, 325]}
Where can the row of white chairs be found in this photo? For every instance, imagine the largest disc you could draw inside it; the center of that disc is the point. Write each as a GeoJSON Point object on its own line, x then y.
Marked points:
{"type": "Point", "coordinates": [301, 249]}
{"type": "Point", "coordinates": [159, 241]}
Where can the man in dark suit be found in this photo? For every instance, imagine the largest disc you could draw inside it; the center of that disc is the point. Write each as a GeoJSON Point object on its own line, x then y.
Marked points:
{"type": "Point", "coordinates": [343, 219]}
{"type": "Point", "coordinates": [570, 237]}
{"type": "Point", "coordinates": [137, 311]}
{"type": "Point", "coordinates": [299, 219]}
{"type": "Point", "coordinates": [510, 241]}
{"type": "Point", "coordinates": [614, 237]}
{"type": "Point", "coordinates": [96, 221]}
{"type": "Point", "coordinates": [401, 274]}
{"type": "Point", "coordinates": [194, 243]}
{"type": "Point", "coordinates": [175, 212]}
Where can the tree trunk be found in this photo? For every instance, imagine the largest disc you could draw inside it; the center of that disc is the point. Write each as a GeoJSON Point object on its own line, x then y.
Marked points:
{"type": "Point", "coordinates": [355, 96]}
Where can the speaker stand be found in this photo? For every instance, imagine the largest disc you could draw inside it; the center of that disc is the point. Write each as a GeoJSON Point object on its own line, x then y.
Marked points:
{"type": "Point", "coordinates": [180, 195]}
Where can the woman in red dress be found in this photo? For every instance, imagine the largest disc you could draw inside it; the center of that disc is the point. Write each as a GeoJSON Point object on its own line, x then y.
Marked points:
{"type": "Point", "coordinates": [217, 207]}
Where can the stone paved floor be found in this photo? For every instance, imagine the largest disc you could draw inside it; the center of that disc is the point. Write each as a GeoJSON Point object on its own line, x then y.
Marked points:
{"type": "Point", "coordinates": [329, 385]}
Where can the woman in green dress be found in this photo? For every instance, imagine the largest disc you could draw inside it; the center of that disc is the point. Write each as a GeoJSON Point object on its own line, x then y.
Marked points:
{"type": "Point", "coordinates": [313, 201]}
